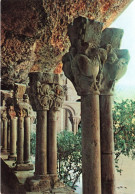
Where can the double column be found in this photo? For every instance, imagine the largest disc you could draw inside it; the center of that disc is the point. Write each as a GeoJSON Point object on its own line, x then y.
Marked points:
{"type": "Point", "coordinates": [93, 64]}
{"type": "Point", "coordinates": [81, 65]}
{"type": "Point", "coordinates": [24, 111]}
{"type": "Point", "coordinates": [46, 96]}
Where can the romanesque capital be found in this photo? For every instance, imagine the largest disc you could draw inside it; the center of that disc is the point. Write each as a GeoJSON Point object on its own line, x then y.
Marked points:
{"type": "Point", "coordinates": [23, 108]}
{"type": "Point", "coordinates": [19, 91]}
{"type": "Point", "coordinates": [83, 63]}
{"type": "Point", "coordinates": [10, 108]}
{"type": "Point", "coordinates": [117, 60]}
{"type": "Point", "coordinates": [45, 92]}
{"type": "Point", "coordinates": [3, 113]}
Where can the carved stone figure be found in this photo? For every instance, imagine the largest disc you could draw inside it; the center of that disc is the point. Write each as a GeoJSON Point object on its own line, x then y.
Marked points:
{"type": "Point", "coordinates": [24, 109]}
{"type": "Point", "coordinates": [117, 60]}
{"type": "Point", "coordinates": [83, 64]}
{"type": "Point", "coordinates": [59, 97]}
{"type": "Point", "coordinates": [45, 91]}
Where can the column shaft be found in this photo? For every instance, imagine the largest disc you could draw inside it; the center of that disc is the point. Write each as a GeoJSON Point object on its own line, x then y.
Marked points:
{"type": "Point", "coordinates": [41, 143]}
{"type": "Point", "coordinates": [13, 137]}
{"type": "Point", "coordinates": [8, 135]}
{"type": "Point", "coordinates": [20, 140]}
{"type": "Point", "coordinates": [4, 148]}
{"type": "Point", "coordinates": [52, 142]}
{"type": "Point", "coordinates": [27, 125]}
{"type": "Point", "coordinates": [91, 166]}
{"type": "Point", "coordinates": [107, 145]}
{"type": "Point", "coordinates": [66, 119]}
{"type": "Point", "coordinates": [1, 133]}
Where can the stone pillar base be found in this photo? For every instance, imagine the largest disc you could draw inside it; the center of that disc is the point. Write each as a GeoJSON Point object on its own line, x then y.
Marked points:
{"type": "Point", "coordinates": [55, 182]}
{"type": "Point", "coordinates": [4, 151]}
{"type": "Point", "coordinates": [64, 190]}
{"type": "Point", "coordinates": [47, 184]}
{"type": "Point", "coordinates": [37, 184]}
{"type": "Point", "coordinates": [12, 157]}
{"type": "Point", "coordinates": [24, 167]}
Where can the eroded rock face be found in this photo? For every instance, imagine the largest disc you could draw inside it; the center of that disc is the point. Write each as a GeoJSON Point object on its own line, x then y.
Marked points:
{"type": "Point", "coordinates": [34, 32]}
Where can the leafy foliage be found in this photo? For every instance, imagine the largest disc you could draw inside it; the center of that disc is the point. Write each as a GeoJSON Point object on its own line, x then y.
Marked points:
{"type": "Point", "coordinates": [124, 129]}
{"type": "Point", "coordinates": [33, 143]}
{"type": "Point", "coordinates": [69, 157]}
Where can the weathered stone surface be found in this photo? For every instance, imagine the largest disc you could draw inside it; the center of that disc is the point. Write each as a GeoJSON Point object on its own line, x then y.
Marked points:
{"type": "Point", "coordinates": [24, 167]}
{"type": "Point", "coordinates": [117, 60]}
{"type": "Point", "coordinates": [19, 91]}
{"type": "Point", "coordinates": [46, 184]}
{"type": "Point", "coordinates": [45, 91]}
{"type": "Point", "coordinates": [107, 145]}
{"type": "Point", "coordinates": [34, 33]}
{"type": "Point", "coordinates": [23, 108]}
{"type": "Point", "coordinates": [38, 184]}
{"type": "Point", "coordinates": [5, 95]}
{"type": "Point", "coordinates": [83, 66]}
{"type": "Point", "coordinates": [13, 138]}
{"type": "Point", "coordinates": [83, 63]}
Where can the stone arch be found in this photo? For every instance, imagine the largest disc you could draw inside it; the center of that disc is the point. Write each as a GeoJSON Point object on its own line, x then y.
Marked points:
{"type": "Point", "coordinates": [69, 109]}
{"type": "Point", "coordinates": [74, 119]}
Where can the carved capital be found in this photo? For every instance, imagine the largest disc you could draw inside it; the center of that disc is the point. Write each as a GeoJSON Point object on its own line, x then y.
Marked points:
{"type": "Point", "coordinates": [3, 113]}
{"type": "Point", "coordinates": [82, 65]}
{"type": "Point", "coordinates": [117, 60]}
{"type": "Point", "coordinates": [11, 112]}
{"type": "Point", "coordinates": [23, 108]}
{"type": "Point", "coordinates": [19, 91]}
{"type": "Point", "coordinates": [59, 93]}
{"type": "Point", "coordinates": [10, 108]}
{"type": "Point", "coordinates": [94, 68]}
{"type": "Point", "coordinates": [45, 91]}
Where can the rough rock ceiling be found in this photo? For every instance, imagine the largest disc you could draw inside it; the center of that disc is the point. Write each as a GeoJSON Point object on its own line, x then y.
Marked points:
{"type": "Point", "coordinates": [34, 32]}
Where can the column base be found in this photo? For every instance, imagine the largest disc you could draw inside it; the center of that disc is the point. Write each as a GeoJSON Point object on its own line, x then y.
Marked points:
{"type": "Point", "coordinates": [24, 167]}
{"type": "Point", "coordinates": [12, 157]}
{"type": "Point", "coordinates": [47, 184]}
{"type": "Point", "coordinates": [37, 184]}
{"type": "Point", "coordinates": [4, 151]}
{"type": "Point", "coordinates": [55, 182]}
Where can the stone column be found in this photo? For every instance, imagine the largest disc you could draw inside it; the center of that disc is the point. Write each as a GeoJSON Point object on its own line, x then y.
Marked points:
{"type": "Point", "coordinates": [1, 127]}
{"type": "Point", "coordinates": [91, 144]}
{"type": "Point", "coordinates": [20, 140]}
{"type": "Point", "coordinates": [13, 128]}
{"type": "Point", "coordinates": [41, 143]}
{"type": "Point", "coordinates": [5, 122]}
{"type": "Point", "coordinates": [114, 68]}
{"type": "Point", "coordinates": [82, 65]}
{"type": "Point", "coordinates": [41, 98]}
{"type": "Point", "coordinates": [107, 145]}
{"type": "Point", "coordinates": [24, 110]}
{"type": "Point", "coordinates": [13, 138]}
{"type": "Point", "coordinates": [8, 135]}
{"type": "Point", "coordinates": [52, 130]}
{"type": "Point", "coordinates": [26, 139]}
{"type": "Point", "coordinates": [75, 124]}
{"type": "Point", "coordinates": [52, 142]}
{"type": "Point", "coordinates": [66, 120]}
{"type": "Point", "coordinates": [44, 93]}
